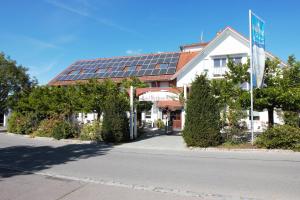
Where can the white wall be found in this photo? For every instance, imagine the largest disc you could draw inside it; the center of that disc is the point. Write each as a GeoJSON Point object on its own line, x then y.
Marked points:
{"type": "Point", "coordinates": [228, 44]}
{"type": "Point", "coordinates": [224, 46]}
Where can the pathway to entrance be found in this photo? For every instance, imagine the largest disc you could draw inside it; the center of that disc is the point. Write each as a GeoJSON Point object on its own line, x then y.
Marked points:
{"type": "Point", "coordinates": [157, 139]}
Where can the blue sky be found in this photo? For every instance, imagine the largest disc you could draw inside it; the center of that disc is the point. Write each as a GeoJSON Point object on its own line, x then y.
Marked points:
{"type": "Point", "coordinates": [48, 35]}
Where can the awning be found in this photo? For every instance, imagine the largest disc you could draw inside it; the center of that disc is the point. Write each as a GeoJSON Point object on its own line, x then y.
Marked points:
{"type": "Point", "coordinates": [171, 105]}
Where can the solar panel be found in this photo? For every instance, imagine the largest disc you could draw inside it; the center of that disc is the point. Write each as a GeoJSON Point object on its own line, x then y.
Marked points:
{"type": "Point", "coordinates": [144, 65]}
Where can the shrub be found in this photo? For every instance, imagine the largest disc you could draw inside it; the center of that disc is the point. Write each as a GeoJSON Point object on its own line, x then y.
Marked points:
{"type": "Point", "coordinates": [91, 131]}
{"type": "Point", "coordinates": [57, 128]}
{"type": "Point", "coordinates": [280, 137]}
{"type": "Point", "coordinates": [115, 126]}
{"type": "Point", "coordinates": [291, 118]}
{"type": "Point", "coordinates": [22, 123]}
{"type": "Point", "coordinates": [202, 124]}
{"type": "Point", "coordinates": [160, 124]}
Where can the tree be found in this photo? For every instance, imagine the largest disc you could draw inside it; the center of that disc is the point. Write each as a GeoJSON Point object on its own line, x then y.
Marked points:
{"type": "Point", "coordinates": [232, 99]}
{"type": "Point", "coordinates": [14, 81]}
{"type": "Point", "coordinates": [202, 125]}
{"type": "Point", "coordinates": [115, 127]}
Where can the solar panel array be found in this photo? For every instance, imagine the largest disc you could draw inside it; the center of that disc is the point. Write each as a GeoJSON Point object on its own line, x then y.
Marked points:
{"type": "Point", "coordinates": [122, 67]}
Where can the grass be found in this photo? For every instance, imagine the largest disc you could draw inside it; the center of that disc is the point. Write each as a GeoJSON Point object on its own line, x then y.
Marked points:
{"type": "Point", "coordinates": [231, 145]}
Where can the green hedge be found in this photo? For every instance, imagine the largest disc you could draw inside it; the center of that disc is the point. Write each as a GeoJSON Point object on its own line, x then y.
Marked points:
{"type": "Point", "coordinates": [57, 128]}
{"type": "Point", "coordinates": [280, 137]}
{"type": "Point", "coordinates": [202, 123]}
{"type": "Point", "coordinates": [22, 123]}
{"type": "Point", "coordinates": [91, 131]}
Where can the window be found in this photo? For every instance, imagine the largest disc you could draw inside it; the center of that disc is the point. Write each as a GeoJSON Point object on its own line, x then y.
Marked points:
{"type": "Point", "coordinates": [220, 62]}
{"type": "Point", "coordinates": [237, 60]}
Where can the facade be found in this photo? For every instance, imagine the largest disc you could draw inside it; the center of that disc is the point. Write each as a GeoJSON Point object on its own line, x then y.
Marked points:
{"type": "Point", "coordinates": [169, 75]}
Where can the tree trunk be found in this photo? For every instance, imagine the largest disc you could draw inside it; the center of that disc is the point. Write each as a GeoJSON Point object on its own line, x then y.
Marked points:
{"type": "Point", "coordinates": [98, 116]}
{"type": "Point", "coordinates": [270, 117]}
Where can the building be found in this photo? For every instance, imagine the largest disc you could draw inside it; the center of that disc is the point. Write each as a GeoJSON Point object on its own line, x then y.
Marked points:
{"type": "Point", "coordinates": [169, 74]}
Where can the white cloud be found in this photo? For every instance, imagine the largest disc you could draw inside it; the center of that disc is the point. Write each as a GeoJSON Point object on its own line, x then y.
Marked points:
{"type": "Point", "coordinates": [84, 13]}
{"type": "Point", "coordinates": [134, 52]}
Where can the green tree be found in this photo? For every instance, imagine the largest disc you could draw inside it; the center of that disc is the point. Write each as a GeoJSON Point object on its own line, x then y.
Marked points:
{"type": "Point", "coordinates": [202, 125]}
{"type": "Point", "coordinates": [14, 80]}
{"type": "Point", "coordinates": [115, 125]}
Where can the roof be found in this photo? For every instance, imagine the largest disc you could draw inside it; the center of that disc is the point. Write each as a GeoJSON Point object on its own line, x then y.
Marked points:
{"type": "Point", "coordinates": [199, 53]}
{"type": "Point", "coordinates": [173, 64]}
{"type": "Point", "coordinates": [147, 67]}
{"type": "Point", "coordinates": [199, 44]}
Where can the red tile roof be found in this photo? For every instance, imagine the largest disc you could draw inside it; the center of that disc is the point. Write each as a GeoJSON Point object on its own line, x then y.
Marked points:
{"type": "Point", "coordinates": [171, 105]}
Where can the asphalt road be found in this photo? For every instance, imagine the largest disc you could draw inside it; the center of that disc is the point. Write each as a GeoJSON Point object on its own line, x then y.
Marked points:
{"type": "Point", "coordinates": [140, 172]}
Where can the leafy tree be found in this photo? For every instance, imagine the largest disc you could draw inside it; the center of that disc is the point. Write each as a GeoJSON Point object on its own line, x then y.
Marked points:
{"type": "Point", "coordinates": [14, 81]}
{"type": "Point", "coordinates": [202, 115]}
{"type": "Point", "coordinates": [232, 99]}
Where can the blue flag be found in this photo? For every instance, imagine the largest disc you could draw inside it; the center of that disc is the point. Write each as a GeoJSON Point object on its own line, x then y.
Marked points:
{"type": "Point", "coordinates": [258, 49]}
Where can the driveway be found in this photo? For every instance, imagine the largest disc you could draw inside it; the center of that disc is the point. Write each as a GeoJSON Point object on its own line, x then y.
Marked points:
{"type": "Point", "coordinates": [159, 140]}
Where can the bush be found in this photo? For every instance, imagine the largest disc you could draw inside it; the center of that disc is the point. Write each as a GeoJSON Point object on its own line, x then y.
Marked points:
{"type": "Point", "coordinates": [160, 124]}
{"type": "Point", "coordinates": [291, 118]}
{"type": "Point", "coordinates": [202, 124]}
{"type": "Point", "coordinates": [57, 128]}
{"type": "Point", "coordinates": [91, 131]}
{"type": "Point", "coordinates": [22, 123]}
{"type": "Point", "coordinates": [115, 126]}
{"type": "Point", "coordinates": [280, 137]}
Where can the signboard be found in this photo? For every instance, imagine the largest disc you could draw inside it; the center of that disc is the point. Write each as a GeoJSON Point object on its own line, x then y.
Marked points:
{"type": "Point", "coordinates": [158, 96]}
{"type": "Point", "coordinates": [258, 49]}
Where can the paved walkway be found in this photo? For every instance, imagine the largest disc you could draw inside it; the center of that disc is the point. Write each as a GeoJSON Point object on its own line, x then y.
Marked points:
{"type": "Point", "coordinates": [157, 139]}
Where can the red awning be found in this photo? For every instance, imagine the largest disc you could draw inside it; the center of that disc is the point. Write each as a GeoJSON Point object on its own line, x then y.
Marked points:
{"type": "Point", "coordinates": [171, 105]}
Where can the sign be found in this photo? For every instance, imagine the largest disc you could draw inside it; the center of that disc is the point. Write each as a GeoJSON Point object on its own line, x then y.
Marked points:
{"type": "Point", "coordinates": [158, 96]}
{"type": "Point", "coordinates": [258, 49]}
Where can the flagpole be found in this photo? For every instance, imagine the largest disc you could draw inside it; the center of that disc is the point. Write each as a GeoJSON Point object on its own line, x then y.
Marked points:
{"type": "Point", "coordinates": [251, 78]}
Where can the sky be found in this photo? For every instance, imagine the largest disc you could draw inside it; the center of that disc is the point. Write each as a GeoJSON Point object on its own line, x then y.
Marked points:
{"type": "Point", "coordinates": [46, 36]}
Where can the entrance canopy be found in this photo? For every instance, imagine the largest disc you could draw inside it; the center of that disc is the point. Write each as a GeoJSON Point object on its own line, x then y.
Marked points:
{"type": "Point", "coordinates": [171, 105]}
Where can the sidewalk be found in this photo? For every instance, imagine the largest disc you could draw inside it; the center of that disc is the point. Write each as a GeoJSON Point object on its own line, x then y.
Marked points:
{"type": "Point", "coordinates": [40, 187]}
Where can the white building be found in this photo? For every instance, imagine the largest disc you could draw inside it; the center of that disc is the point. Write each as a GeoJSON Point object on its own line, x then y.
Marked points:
{"type": "Point", "coordinates": [169, 74]}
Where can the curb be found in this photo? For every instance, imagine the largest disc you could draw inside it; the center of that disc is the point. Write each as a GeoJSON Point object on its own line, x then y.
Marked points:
{"type": "Point", "coordinates": [67, 141]}
{"type": "Point", "coordinates": [186, 149]}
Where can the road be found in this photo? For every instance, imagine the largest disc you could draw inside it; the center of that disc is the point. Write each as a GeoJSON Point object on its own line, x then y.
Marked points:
{"type": "Point", "coordinates": [142, 173]}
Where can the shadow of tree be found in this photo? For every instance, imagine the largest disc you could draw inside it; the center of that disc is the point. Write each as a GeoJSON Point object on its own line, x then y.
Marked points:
{"type": "Point", "coordinates": [29, 159]}
{"type": "Point", "coordinates": [151, 133]}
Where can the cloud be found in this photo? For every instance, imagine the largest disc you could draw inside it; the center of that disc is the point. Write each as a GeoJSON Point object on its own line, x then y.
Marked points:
{"type": "Point", "coordinates": [134, 52]}
{"type": "Point", "coordinates": [41, 44]}
{"type": "Point", "coordinates": [84, 13]}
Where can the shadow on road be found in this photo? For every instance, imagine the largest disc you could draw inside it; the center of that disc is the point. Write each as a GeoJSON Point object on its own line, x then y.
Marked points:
{"type": "Point", "coordinates": [149, 133]}
{"type": "Point", "coordinates": [29, 159]}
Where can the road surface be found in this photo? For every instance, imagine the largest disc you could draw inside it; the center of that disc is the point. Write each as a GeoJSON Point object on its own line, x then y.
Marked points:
{"type": "Point", "coordinates": [42, 168]}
